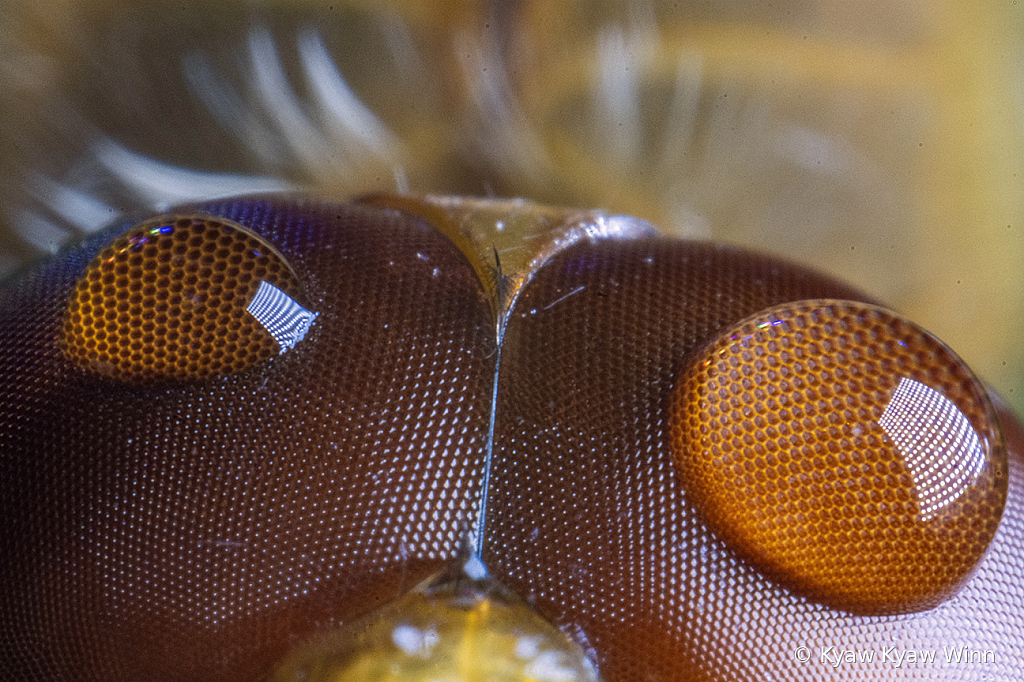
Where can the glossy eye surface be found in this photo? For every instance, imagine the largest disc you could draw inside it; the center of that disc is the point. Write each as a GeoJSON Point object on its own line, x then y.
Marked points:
{"type": "Point", "coordinates": [846, 452]}
{"type": "Point", "coordinates": [183, 298]}
{"type": "Point", "coordinates": [190, 527]}
{"type": "Point", "coordinates": [193, 490]}
{"type": "Point", "coordinates": [454, 408]}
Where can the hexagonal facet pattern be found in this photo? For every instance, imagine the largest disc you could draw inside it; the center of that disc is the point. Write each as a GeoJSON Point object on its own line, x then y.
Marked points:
{"type": "Point", "coordinates": [846, 451]}
{"type": "Point", "coordinates": [168, 301]}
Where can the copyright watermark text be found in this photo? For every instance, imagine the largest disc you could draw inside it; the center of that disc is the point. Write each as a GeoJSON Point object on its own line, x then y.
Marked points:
{"type": "Point", "coordinates": [891, 656]}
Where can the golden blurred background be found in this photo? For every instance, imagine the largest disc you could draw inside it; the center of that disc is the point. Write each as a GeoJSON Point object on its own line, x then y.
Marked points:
{"type": "Point", "coordinates": [878, 140]}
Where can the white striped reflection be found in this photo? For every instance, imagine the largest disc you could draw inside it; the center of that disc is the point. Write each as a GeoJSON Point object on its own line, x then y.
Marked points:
{"type": "Point", "coordinates": [286, 320]}
{"type": "Point", "coordinates": [940, 447]}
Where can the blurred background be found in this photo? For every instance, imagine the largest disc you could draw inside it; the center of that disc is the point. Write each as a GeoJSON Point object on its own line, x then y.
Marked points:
{"type": "Point", "coordinates": [878, 140]}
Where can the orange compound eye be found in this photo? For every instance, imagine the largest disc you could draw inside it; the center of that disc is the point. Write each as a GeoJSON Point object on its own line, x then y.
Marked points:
{"type": "Point", "coordinates": [183, 298]}
{"type": "Point", "coordinates": [845, 452]}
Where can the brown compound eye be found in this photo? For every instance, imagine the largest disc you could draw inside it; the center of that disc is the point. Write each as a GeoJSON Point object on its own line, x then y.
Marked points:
{"type": "Point", "coordinates": [845, 452]}
{"type": "Point", "coordinates": [183, 298]}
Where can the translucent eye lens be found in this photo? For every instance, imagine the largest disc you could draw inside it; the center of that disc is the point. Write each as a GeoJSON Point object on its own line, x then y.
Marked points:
{"type": "Point", "coordinates": [183, 297]}
{"type": "Point", "coordinates": [845, 452]}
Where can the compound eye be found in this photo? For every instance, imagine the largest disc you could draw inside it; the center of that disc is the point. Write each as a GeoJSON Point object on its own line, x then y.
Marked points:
{"type": "Point", "coordinates": [844, 452]}
{"type": "Point", "coordinates": [183, 298]}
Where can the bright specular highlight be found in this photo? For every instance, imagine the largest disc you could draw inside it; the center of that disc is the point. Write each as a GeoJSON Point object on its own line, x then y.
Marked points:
{"type": "Point", "coordinates": [939, 445]}
{"type": "Point", "coordinates": [843, 451]}
{"type": "Point", "coordinates": [168, 300]}
{"type": "Point", "coordinates": [287, 321]}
